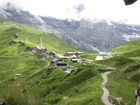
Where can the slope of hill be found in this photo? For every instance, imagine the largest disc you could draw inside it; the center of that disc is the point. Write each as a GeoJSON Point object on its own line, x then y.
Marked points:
{"type": "Point", "coordinates": [28, 79]}
{"type": "Point", "coordinates": [134, 45]}
{"type": "Point", "coordinates": [130, 50]}
{"type": "Point", "coordinates": [123, 80]}
{"type": "Point", "coordinates": [32, 37]}
{"type": "Point", "coordinates": [16, 39]}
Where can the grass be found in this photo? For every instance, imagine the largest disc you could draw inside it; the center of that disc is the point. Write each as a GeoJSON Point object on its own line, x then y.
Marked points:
{"type": "Point", "coordinates": [115, 61]}
{"type": "Point", "coordinates": [123, 80]}
{"type": "Point", "coordinates": [60, 85]}
{"type": "Point", "coordinates": [43, 84]}
{"type": "Point", "coordinates": [31, 37]}
{"type": "Point", "coordinates": [119, 86]}
{"type": "Point", "coordinates": [130, 46]}
{"type": "Point", "coordinates": [39, 84]}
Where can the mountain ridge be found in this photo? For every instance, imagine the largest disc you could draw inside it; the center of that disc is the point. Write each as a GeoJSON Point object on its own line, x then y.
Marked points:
{"type": "Point", "coordinates": [95, 35]}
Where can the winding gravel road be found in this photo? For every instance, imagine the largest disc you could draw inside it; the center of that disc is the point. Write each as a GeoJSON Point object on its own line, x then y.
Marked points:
{"type": "Point", "coordinates": [106, 91]}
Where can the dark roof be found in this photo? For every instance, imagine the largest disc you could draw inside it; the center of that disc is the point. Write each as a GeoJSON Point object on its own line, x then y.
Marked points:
{"type": "Point", "coordinates": [61, 63]}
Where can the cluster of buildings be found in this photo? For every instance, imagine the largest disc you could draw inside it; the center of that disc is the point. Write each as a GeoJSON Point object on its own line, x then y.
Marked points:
{"type": "Point", "coordinates": [42, 52]}
{"type": "Point", "coordinates": [74, 56]}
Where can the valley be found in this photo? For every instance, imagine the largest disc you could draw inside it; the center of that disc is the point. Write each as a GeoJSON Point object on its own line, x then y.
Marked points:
{"type": "Point", "coordinates": [38, 68]}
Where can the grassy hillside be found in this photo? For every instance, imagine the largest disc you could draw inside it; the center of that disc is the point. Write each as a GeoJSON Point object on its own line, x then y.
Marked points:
{"type": "Point", "coordinates": [40, 83]}
{"type": "Point", "coordinates": [67, 89]}
{"type": "Point", "coordinates": [130, 46]}
{"type": "Point", "coordinates": [31, 37]}
{"type": "Point", "coordinates": [115, 61]}
{"type": "Point", "coordinates": [29, 79]}
{"type": "Point", "coordinates": [123, 80]}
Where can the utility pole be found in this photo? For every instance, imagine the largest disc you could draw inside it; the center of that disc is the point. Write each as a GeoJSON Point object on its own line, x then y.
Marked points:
{"type": "Point", "coordinates": [41, 43]}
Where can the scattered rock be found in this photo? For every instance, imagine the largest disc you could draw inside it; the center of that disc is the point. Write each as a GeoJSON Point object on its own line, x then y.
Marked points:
{"type": "Point", "coordinates": [65, 97]}
{"type": "Point", "coordinates": [2, 102]}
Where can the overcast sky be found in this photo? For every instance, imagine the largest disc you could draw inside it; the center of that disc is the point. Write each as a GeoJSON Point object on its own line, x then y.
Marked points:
{"type": "Point", "coordinates": [104, 9]}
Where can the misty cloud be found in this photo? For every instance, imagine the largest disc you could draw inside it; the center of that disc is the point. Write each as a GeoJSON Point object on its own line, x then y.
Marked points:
{"type": "Point", "coordinates": [114, 10]}
{"type": "Point", "coordinates": [10, 4]}
{"type": "Point", "coordinates": [79, 8]}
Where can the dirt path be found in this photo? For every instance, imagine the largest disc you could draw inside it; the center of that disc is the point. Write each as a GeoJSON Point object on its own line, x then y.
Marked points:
{"type": "Point", "coordinates": [103, 86]}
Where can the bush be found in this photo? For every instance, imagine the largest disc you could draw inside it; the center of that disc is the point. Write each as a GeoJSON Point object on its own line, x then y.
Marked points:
{"type": "Point", "coordinates": [15, 96]}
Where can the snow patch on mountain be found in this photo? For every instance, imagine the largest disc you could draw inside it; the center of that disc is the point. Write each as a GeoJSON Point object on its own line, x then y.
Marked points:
{"type": "Point", "coordinates": [108, 22]}
{"type": "Point", "coordinates": [39, 19]}
{"type": "Point", "coordinates": [18, 11]}
{"type": "Point", "coordinates": [96, 35]}
{"type": "Point", "coordinates": [97, 21]}
{"type": "Point", "coordinates": [130, 37]}
{"type": "Point", "coordinates": [133, 28]}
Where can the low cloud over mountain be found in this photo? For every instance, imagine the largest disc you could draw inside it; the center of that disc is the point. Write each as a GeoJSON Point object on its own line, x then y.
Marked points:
{"type": "Point", "coordinates": [97, 35]}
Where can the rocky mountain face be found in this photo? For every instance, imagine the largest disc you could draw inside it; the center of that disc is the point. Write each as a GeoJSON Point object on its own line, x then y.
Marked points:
{"type": "Point", "coordinates": [12, 13]}
{"type": "Point", "coordinates": [97, 35]}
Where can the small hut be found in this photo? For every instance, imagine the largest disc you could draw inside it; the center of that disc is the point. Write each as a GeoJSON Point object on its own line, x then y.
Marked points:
{"type": "Point", "coordinates": [72, 54]}
{"type": "Point", "coordinates": [75, 60]}
{"type": "Point", "coordinates": [59, 63]}
{"type": "Point", "coordinates": [52, 54]}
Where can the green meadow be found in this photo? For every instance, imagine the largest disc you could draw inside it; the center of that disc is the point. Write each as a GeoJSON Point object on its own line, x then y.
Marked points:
{"type": "Point", "coordinates": [29, 79]}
